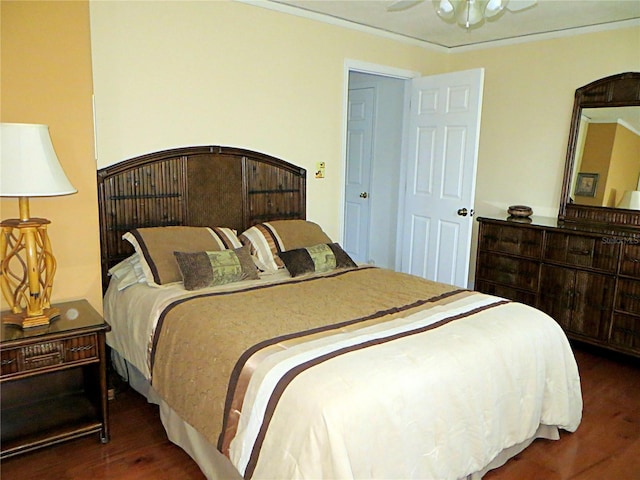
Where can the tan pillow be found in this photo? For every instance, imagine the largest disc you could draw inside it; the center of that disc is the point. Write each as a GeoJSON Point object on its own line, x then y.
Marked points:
{"type": "Point", "coordinates": [268, 239]}
{"type": "Point", "coordinates": [156, 245]}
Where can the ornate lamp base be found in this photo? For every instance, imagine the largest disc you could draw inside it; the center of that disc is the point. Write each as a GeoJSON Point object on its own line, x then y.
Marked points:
{"type": "Point", "coordinates": [27, 268]}
{"type": "Point", "coordinates": [25, 321]}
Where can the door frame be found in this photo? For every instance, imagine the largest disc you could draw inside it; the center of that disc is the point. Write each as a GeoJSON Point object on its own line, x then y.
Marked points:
{"type": "Point", "coordinates": [372, 69]}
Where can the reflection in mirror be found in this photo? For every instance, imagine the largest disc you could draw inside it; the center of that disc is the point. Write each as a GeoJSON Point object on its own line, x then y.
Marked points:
{"type": "Point", "coordinates": [606, 172]}
{"type": "Point", "coordinates": [601, 172]}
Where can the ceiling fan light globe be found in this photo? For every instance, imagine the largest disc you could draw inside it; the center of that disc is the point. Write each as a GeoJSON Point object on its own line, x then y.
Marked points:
{"type": "Point", "coordinates": [445, 10]}
{"type": "Point", "coordinates": [494, 7]}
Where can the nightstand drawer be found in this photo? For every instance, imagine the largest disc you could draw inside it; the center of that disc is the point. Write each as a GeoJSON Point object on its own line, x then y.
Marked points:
{"type": "Point", "coordinates": [43, 355]}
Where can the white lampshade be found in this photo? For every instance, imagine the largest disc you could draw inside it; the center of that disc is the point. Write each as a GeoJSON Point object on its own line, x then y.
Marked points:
{"type": "Point", "coordinates": [28, 163]}
{"type": "Point", "coordinates": [631, 200]}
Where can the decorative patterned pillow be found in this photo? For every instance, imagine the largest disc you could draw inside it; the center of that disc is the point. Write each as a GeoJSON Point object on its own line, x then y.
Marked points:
{"type": "Point", "coordinates": [318, 259]}
{"type": "Point", "coordinates": [207, 269]}
{"type": "Point", "coordinates": [155, 246]}
{"type": "Point", "coordinates": [268, 239]}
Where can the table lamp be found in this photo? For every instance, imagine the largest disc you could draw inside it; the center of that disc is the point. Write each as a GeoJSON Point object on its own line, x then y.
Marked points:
{"type": "Point", "coordinates": [28, 168]}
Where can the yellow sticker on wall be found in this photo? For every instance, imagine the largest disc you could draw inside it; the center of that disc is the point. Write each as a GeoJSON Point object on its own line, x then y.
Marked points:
{"type": "Point", "coordinates": [320, 170]}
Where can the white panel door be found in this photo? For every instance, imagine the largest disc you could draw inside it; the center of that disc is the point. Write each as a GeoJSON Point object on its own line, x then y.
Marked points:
{"type": "Point", "coordinates": [441, 156]}
{"type": "Point", "coordinates": [358, 174]}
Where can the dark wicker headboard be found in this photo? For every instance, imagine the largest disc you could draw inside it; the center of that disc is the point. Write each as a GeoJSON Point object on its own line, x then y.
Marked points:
{"type": "Point", "coordinates": [199, 186]}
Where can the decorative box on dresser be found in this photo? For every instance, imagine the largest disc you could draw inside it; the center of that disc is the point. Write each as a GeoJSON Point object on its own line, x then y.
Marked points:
{"type": "Point", "coordinates": [586, 278]}
{"type": "Point", "coordinates": [53, 382]}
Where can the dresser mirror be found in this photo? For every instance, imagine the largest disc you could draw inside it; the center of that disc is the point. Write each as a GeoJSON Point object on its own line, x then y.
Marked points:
{"type": "Point", "coordinates": [602, 173]}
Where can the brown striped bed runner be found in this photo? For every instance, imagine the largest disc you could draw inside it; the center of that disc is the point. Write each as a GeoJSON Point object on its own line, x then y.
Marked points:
{"type": "Point", "coordinates": [206, 347]}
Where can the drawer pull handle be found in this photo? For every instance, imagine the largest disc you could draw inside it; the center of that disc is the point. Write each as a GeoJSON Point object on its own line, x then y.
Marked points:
{"type": "Point", "coordinates": [576, 251]}
{"type": "Point", "coordinates": [632, 260]}
{"type": "Point", "coordinates": [84, 348]}
{"type": "Point", "coordinates": [628, 331]}
{"type": "Point", "coordinates": [632, 296]}
{"type": "Point", "coordinates": [515, 241]}
{"type": "Point", "coordinates": [7, 362]}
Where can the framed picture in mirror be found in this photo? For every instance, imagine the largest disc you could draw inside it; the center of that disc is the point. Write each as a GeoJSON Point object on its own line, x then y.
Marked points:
{"type": "Point", "coordinates": [587, 184]}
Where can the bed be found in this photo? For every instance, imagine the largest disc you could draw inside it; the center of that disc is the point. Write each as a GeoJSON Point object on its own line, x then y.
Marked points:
{"type": "Point", "coordinates": [273, 355]}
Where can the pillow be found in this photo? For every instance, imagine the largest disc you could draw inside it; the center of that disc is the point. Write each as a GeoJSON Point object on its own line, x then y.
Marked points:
{"type": "Point", "coordinates": [128, 272]}
{"type": "Point", "coordinates": [155, 246]}
{"type": "Point", "coordinates": [318, 259]}
{"type": "Point", "coordinates": [207, 269]}
{"type": "Point", "coordinates": [268, 239]}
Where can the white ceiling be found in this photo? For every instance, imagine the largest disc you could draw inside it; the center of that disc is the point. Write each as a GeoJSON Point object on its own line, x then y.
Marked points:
{"type": "Point", "coordinates": [421, 23]}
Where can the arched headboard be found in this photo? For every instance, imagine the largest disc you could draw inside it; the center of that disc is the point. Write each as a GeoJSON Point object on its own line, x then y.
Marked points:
{"type": "Point", "coordinates": [199, 186]}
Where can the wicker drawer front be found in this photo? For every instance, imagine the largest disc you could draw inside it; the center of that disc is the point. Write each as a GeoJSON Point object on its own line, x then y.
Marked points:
{"type": "Point", "coordinates": [48, 354]}
{"type": "Point", "coordinates": [631, 258]}
{"type": "Point", "coordinates": [521, 296]}
{"type": "Point", "coordinates": [625, 331]}
{"type": "Point", "coordinates": [513, 272]}
{"type": "Point", "coordinates": [526, 242]}
{"type": "Point", "coordinates": [628, 298]}
{"type": "Point", "coordinates": [582, 251]}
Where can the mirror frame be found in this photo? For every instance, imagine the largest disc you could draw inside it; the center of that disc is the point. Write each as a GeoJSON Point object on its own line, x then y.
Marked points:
{"type": "Point", "coordinates": [621, 90]}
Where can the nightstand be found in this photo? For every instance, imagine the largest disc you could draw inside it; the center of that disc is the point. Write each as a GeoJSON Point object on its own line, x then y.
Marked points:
{"type": "Point", "coordinates": [53, 380]}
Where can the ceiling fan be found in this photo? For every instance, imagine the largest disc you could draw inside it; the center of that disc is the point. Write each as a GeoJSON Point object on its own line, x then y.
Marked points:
{"type": "Point", "coordinates": [466, 12]}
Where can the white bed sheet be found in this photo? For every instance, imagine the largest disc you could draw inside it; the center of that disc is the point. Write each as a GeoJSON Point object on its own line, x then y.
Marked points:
{"type": "Point", "coordinates": [215, 466]}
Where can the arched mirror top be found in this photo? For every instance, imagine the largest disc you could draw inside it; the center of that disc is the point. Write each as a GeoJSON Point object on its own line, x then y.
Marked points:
{"type": "Point", "coordinates": [602, 173]}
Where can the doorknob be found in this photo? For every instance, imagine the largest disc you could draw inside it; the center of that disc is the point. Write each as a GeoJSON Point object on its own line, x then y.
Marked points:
{"type": "Point", "coordinates": [364, 195]}
{"type": "Point", "coordinates": [463, 212]}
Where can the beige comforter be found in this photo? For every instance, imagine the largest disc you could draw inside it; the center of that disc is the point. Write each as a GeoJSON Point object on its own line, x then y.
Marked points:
{"type": "Point", "coordinates": [395, 376]}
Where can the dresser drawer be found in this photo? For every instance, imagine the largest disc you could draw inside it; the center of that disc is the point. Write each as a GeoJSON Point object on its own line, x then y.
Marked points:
{"type": "Point", "coordinates": [625, 331]}
{"type": "Point", "coordinates": [43, 355]}
{"type": "Point", "coordinates": [510, 293]}
{"type": "Point", "coordinates": [628, 296]}
{"type": "Point", "coordinates": [630, 263]}
{"type": "Point", "coordinates": [526, 242]}
{"type": "Point", "coordinates": [582, 251]}
{"type": "Point", "coordinates": [509, 271]}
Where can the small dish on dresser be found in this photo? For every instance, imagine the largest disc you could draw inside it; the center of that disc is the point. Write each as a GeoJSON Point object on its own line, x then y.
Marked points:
{"type": "Point", "coordinates": [521, 211]}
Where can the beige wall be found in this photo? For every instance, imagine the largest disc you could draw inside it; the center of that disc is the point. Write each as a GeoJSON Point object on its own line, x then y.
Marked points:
{"type": "Point", "coordinates": [528, 99]}
{"type": "Point", "coordinates": [46, 78]}
{"type": "Point", "coordinates": [170, 74]}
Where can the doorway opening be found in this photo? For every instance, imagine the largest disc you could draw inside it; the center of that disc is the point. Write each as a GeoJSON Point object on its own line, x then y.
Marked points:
{"type": "Point", "coordinates": [375, 112]}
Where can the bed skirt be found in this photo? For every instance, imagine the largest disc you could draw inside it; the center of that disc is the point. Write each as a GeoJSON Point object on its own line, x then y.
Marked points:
{"type": "Point", "coordinates": [216, 466]}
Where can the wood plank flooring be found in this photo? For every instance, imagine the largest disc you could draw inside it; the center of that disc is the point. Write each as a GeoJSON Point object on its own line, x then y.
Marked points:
{"type": "Point", "coordinates": [606, 445]}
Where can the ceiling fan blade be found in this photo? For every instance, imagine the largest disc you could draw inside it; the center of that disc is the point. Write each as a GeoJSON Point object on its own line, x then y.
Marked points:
{"type": "Point", "coordinates": [517, 5]}
{"type": "Point", "coordinates": [400, 5]}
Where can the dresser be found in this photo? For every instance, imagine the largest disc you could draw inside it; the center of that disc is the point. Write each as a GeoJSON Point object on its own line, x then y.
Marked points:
{"type": "Point", "coordinates": [587, 279]}
{"type": "Point", "coordinates": [53, 383]}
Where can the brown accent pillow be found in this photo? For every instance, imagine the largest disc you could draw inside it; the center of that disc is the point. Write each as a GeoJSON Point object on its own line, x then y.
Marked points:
{"type": "Point", "coordinates": [207, 269]}
{"type": "Point", "coordinates": [316, 259]}
{"type": "Point", "coordinates": [155, 246]}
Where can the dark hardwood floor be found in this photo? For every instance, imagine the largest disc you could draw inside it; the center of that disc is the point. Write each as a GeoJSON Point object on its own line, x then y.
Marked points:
{"type": "Point", "coordinates": [605, 446]}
